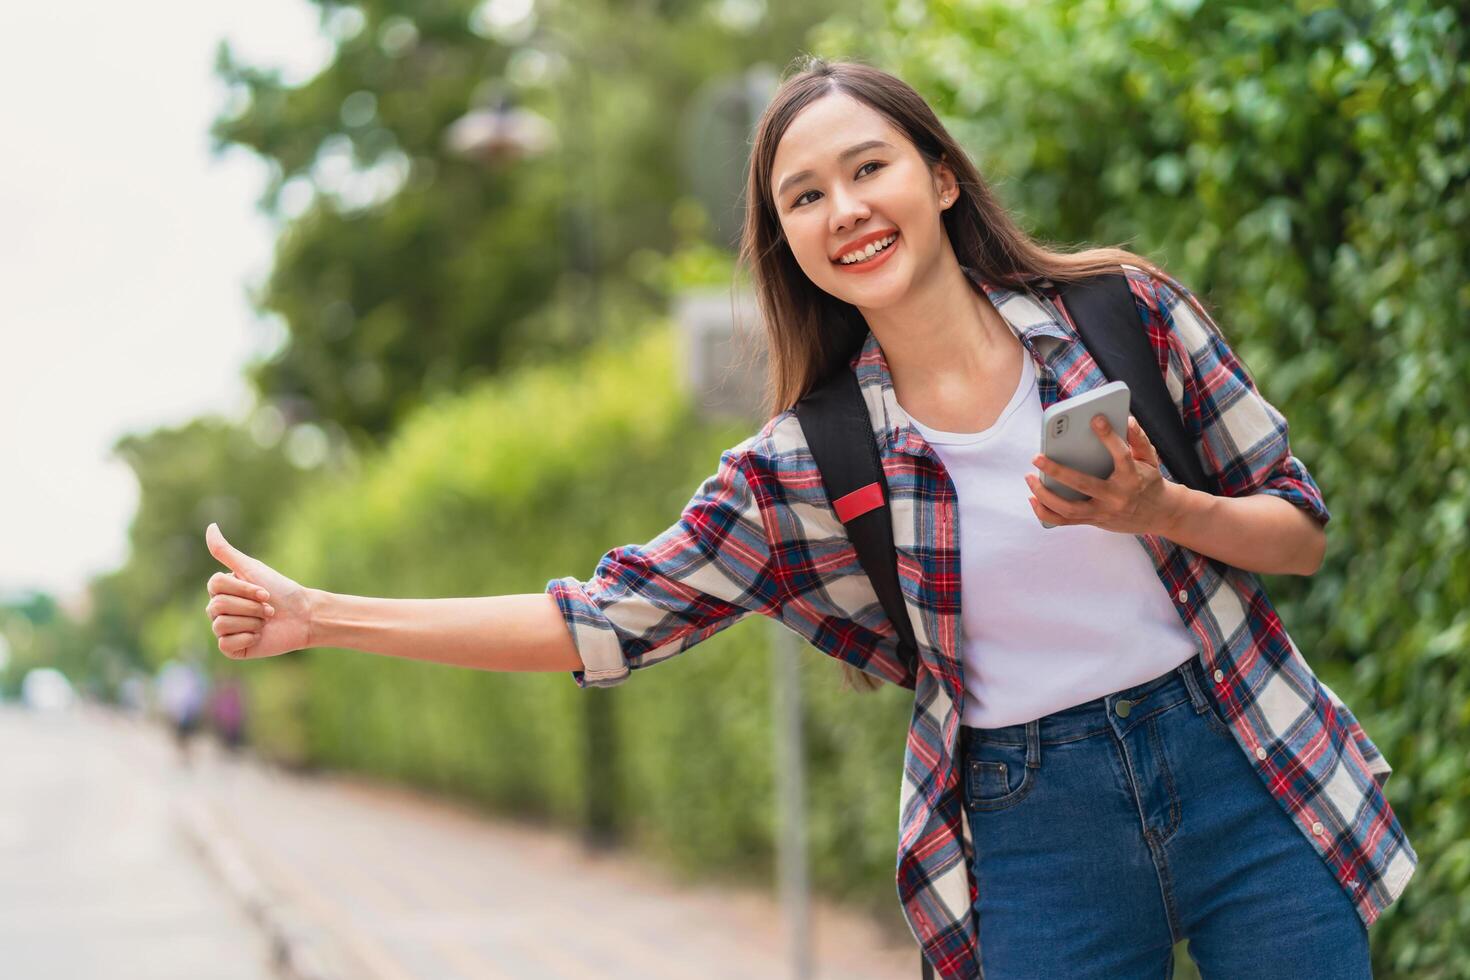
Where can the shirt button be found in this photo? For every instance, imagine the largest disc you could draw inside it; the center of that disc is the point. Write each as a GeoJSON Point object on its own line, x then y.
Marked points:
{"type": "Point", "coordinates": [1317, 828]}
{"type": "Point", "coordinates": [1260, 752]}
{"type": "Point", "coordinates": [1183, 595]}
{"type": "Point", "coordinates": [1219, 675]}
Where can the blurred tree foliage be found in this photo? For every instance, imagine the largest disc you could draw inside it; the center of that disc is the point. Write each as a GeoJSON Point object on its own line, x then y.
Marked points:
{"type": "Point", "coordinates": [412, 272]}
{"type": "Point", "coordinates": [29, 623]}
{"type": "Point", "coordinates": [1304, 167]}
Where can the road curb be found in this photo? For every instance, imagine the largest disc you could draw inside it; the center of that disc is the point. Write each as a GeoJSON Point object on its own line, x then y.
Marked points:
{"type": "Point", "coordinates": [299, 949]}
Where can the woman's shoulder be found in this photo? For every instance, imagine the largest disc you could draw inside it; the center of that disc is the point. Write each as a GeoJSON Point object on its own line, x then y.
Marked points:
{"type": "Point", "coordinates": [780, 467]}
{"type": "Point", "coordinates": [1140, 280]}
{"type": "Point", "coordinates": [778, 442]}
{"type": "Point", "coordinates": [1174, 306]}
{"type": "Point", "coordinates": [778, 458]}
{"type": "Point", "coordinates": [1146, 286]}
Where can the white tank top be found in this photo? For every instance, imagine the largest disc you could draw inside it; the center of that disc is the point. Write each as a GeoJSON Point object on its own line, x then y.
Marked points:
{"type": "Point", "coordinates": [1051, 617]}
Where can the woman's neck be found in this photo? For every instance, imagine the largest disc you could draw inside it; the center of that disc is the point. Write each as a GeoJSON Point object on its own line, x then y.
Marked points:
{"type": "Point", "coordinates": [947, 337]}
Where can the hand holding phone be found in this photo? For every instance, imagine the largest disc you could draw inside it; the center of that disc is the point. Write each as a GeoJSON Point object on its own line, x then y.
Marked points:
{"type": "Point", "coordinates": [1067, 436]}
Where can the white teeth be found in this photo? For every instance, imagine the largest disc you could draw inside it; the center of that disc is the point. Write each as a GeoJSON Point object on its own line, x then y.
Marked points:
{"type": "Point", "coordinates": [863, 254]}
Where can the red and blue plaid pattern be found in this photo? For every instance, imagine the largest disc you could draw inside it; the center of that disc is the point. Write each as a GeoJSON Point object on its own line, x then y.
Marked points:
{"type": "Point", "coordinates": [760, 536]}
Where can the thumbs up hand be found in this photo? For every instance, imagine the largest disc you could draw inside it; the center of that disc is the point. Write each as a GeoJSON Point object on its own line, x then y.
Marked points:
{"type": "Point", "coordinates": [256, 611]}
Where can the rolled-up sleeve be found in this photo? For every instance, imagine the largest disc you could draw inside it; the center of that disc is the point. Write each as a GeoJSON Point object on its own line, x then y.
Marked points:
{"type": "Point", "coordinates": [646, 603]}
{"type": "Point", "coordinates": [1242, 437]}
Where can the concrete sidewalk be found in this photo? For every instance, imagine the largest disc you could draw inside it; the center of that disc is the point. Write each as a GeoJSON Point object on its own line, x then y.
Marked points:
{"type": "Point", "coordinates": [362, 880]}
{"type": "Point", "coordinates": [94, 879]}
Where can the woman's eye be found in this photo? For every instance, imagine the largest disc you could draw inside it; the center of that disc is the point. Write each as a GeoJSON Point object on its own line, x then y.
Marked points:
{"type": "Point", "coordinates": [871, 163]}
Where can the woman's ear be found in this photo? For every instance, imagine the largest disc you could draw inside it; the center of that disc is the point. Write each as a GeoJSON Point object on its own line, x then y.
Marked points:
{"type": "Point", "coordinates": [946, 185]}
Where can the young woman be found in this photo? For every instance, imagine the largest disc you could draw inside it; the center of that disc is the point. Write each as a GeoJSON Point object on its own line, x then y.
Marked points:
{"type": "Point", "coordinates": [1114, 745]}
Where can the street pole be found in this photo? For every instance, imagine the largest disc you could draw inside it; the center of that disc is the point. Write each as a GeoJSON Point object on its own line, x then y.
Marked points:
{"type": "Point", "coordinates": [718, 127]}
{"type": "Point", "coordinates": [786, 649]}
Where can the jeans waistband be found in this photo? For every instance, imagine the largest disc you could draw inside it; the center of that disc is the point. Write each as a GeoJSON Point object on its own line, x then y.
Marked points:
{"type": "Point", "coordinates": [1092, 717]}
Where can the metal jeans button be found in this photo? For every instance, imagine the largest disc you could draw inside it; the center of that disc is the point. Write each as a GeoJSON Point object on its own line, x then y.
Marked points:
{"type": "Point", "coordinates": [1122, 707]}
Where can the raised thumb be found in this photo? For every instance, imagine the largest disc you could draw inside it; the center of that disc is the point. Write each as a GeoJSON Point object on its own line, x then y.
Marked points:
{"type": "Point", "coordinates": [222, 550]}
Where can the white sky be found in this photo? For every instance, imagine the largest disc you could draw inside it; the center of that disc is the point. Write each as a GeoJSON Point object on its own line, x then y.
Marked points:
{"type": "Point", "coordinates": [125, 252]}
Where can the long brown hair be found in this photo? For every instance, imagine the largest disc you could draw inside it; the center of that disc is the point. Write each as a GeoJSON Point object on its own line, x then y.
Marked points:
{"type": "Point", "coordinates": [808, 332]}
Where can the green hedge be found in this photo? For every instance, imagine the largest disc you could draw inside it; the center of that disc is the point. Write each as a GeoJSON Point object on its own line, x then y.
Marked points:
{"type": "Point", "coordinates": [535, 478]}
{"type": "Point", "coordinates": [1303, 166]}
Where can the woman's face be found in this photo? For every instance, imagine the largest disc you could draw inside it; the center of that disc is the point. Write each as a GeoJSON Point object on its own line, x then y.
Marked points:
{"type": "Point", "coordinates": [831, 205]}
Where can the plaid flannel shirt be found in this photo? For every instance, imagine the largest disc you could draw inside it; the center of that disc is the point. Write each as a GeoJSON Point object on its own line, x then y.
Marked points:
{"type": "Point", "coordinates": [760, 537]}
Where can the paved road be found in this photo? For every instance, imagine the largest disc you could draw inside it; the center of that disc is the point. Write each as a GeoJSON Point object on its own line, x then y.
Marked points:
{"type": "Point", "coordinates": [381, 883]}
{"type": "Point", "coordinates": [95, 879]}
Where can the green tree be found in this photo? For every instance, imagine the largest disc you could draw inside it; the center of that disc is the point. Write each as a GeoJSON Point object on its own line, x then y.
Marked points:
{"type": "Point", "coordinates": [454, 271]}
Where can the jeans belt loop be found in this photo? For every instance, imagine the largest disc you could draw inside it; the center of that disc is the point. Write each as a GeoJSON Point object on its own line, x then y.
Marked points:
{"type": "Point", "coordinates": [1192, 684]}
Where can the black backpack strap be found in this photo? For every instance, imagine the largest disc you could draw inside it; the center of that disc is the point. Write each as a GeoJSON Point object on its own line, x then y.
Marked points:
{"type": "Point", "coordinates": [834, 418]}
{"type": "Point", "coordinates": [839, 431]}
{"type": "Point", "coordinates": [1106, 316]}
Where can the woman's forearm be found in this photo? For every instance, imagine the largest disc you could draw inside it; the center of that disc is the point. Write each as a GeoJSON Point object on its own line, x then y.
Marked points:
{"type": "Point", "coordinates": [522, 632]}
{"type": "Point", "coordinates": [1259, 532]}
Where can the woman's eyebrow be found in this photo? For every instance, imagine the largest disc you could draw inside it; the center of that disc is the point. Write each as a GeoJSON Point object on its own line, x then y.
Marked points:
{"type": "Point", "coordinates": [851, 151]}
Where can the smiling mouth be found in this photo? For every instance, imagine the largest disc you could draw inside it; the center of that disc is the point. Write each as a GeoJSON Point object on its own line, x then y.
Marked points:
{"type": "Point", "coordinates": [875, 259]}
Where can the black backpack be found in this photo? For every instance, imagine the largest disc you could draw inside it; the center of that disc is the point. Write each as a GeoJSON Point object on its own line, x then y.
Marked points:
{"type": "Point", "coordinates": [835, 421]}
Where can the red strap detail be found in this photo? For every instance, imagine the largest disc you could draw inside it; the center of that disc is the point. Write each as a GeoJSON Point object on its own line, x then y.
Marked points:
{"type": "Point", "coordinates": [859, 502]}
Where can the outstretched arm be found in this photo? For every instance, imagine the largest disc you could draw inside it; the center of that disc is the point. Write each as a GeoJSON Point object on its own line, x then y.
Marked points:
{"type": "Point", "coordinates": [502, 632]}
{"type": "Point", "coordinates": [257, 612]}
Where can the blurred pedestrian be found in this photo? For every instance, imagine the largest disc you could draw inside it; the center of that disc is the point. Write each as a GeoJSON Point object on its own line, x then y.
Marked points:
{"type": "Point", "coordinates": [227, 712]}
{"type": "Point", "coordinates": [182, 691]}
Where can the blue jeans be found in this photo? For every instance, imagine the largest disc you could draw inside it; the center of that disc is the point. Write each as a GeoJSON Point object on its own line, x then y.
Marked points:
{"type": "Point", "coordinates": [1108, 831]}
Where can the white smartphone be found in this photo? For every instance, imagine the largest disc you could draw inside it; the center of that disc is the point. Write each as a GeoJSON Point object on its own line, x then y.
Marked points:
{"type": "Point", "coordinates": [1067, 436]}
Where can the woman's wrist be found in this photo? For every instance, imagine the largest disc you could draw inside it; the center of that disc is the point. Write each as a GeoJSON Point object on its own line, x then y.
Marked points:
{"type": "Point", "coordinates": [352, 622]}
{"type": "Point", "coordinates": [317, 601]}
{"type": "Point", "coordinates": [1182, 507]}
